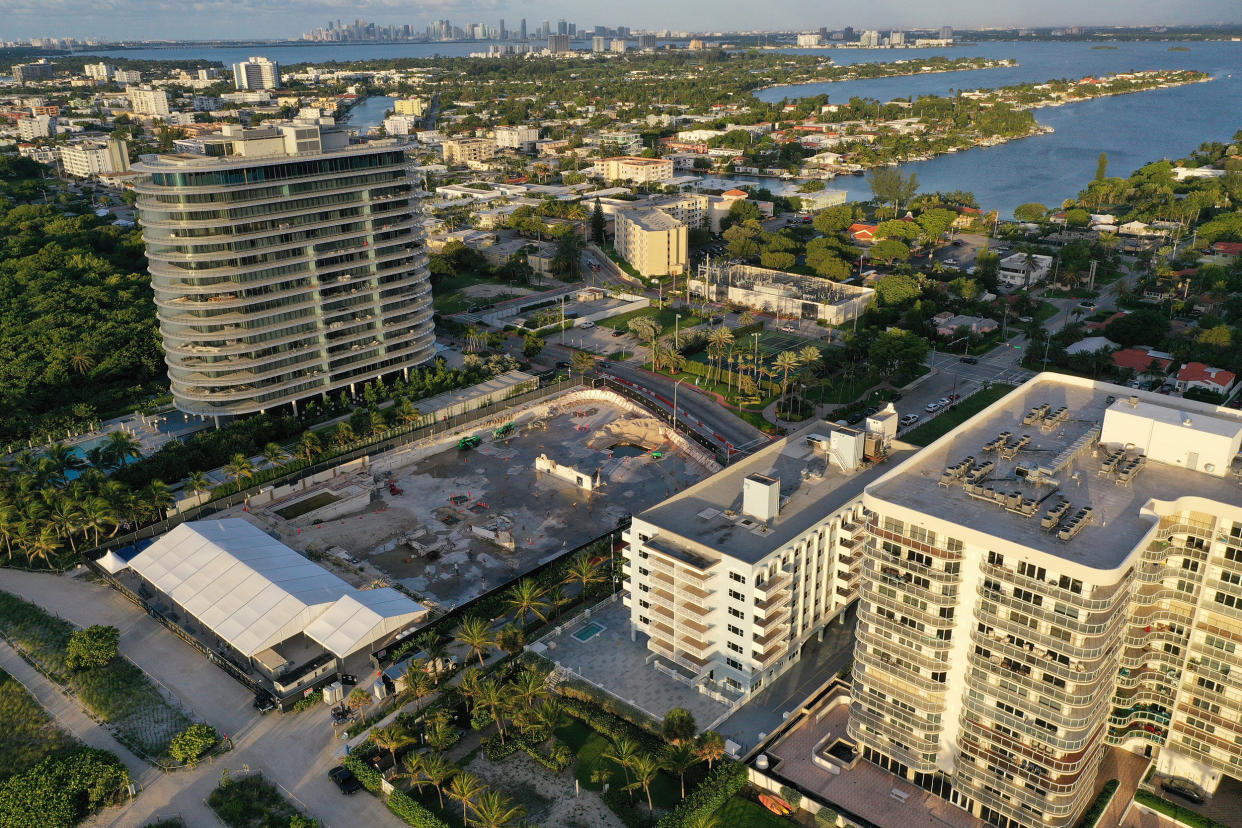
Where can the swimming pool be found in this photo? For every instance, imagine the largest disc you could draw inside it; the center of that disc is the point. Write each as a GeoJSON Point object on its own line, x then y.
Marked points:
{"type": "Point", "coordinates": [588, 632]}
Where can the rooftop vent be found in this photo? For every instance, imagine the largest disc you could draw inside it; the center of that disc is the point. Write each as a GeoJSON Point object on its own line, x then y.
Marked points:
{"type": "Point", "coordinates": [761, 497]}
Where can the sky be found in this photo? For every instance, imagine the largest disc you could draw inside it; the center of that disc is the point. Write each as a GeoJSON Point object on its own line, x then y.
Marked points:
{"type": "Point", "coordinates": [250, 19]}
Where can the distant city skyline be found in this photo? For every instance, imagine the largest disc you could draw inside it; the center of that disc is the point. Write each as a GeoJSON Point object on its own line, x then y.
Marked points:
{"type": "Point", "coordinates": [249, 19]}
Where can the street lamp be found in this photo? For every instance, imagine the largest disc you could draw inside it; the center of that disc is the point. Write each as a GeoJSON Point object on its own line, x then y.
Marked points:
{"type": "Point", "coordinates": [676, 331]}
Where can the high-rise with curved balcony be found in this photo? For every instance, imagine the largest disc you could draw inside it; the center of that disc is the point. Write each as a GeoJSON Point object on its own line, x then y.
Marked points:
{"type": "Point", "coordinates": [287, 263]}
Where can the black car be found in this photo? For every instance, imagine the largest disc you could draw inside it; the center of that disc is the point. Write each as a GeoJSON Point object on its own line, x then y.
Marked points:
{"type": "Point", "coordinates": [1185, 789]}
{"type": "Point", "coordinates": [618, 333]}
{"type": "Point", "coordinates": [969, 360]}
{"type": "Point", "coordinates": [264, 703]}
{"type": "Point", "coordinates": [563, 364]}
{"type": "Point", "coordinates": [345, 779]}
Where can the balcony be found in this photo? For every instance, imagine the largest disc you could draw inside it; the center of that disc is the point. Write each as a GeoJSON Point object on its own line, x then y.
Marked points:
{"type": "Point", "coordinates": [772, 587]}
{"type": "Point", "coordinates": [764, 659]}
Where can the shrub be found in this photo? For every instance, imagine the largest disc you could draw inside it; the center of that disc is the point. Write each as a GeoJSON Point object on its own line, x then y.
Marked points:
{"type": "Point", "coordinates": [725, 780]}
{"type": "Point", "coordinates": [92, 647]}
{"type": "Point", "coordinates": [188, 746]}
{"type": "Point", "coordinates": [1183, 815]}
{"type": "Point", "coordinates": [609, 725]}
{"type": "Point", "coordinates": [412, 813]}
{"type": "Point", "coordinates": [792, 796]}
{"type": "Point", "coordinates": [60, 790]}
{"type": "Point", "coordinates": [826, 816]}
{"type": "Point", "coordinates": [1093, 814]}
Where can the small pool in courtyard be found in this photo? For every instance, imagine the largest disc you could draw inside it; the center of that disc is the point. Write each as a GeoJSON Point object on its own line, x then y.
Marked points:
{"type": "Point", "coordinates": [588, 632]}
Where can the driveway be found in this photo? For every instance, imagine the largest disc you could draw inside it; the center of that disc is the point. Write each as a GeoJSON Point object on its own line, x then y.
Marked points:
{"type": "Point", "coordinates": [294, 750]}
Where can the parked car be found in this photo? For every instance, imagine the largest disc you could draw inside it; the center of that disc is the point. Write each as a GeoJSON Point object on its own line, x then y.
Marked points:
{"type": "Point", "coordinates": [587, 324]}
{"type": "Point", "coordinates": [1185, 789]}
{"type": "Point", "coordinates": [909, 420]}
{"type": "Point", "coordinates": [943, 401]}
{"type": "Point", "coordinates": [345, 779]}
{"type": "Point", "coordinates": [933, 407]}
{"type": "Point", "coordinates": [1087, 305]}
{"type": "Point", "coordinates": [969, 360]}
{"type": "Point", "coordinates": [264, 703]}
{"type": "Point", "coordinates": [953, 397]}
{"type": "Point", "coordinates": [618, 333]}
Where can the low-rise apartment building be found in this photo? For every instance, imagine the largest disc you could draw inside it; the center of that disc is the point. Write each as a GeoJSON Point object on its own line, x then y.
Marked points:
{"type": "Point", "coordinates": [466, 150]}
{"type": "Point", "coordinates": [729, 578]}
{"type": "Point", "coordinates": [652, 241]}
{"type": "Point", "coordinates": [775, 291]}
{"type": "Point", "coordinates": [521, 138]}
{"type": "Point", "coordinates": [1020, 271]}
{"type": "Point", "coordinates": [633, 168]}
{"type": "Point", "coordinates": [86, 159]}
{"type": "Point", "coordinates": [1058, 576]}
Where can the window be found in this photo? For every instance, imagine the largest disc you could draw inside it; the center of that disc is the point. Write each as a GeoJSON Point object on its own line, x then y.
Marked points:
{"type": "Point", "coordinates": [741, 579]}
{"type": "Point", "coordinates": [642, 619]}
{"type": "Point", "coordinates": [1185, 586]}
{"type": "Point", "coordinates": [922, 535]}
{"type": "Point", "coordinates": [1070, 584]}
{"type": "Point", "coordinates": [736, 665]}
{"type": "Point", "coordinates": [644, 604]}
{"type": "Point", "coordinates": [1234, 578]}
{"type": "Point", "coordinates": [1190, 565]}
{"type": "Point", "coordinates": [1232, 554]}
{"type": "Point", "coordinates": [736, 613]}
{"type": "Point", "coordinates": [946, 612]}
{"type": "Point", "coordinates": [953, 567]}
{"type": "Point", "coordinates": [919, 558]}
{"type": "Point", "coordinates": [642, 570]}
{"type": "Point", "coordinates": [735, 630]}
{"type": "Point", "coordinates": [1209, 685]}
{"type": "Point", "coordinates": [1059, 633]}
{"type": "Point", "coordinates": [1067, 611]}
{"type": "Point", "coordinates": [734, 646]}
{"type": "Point", "coordinates": [644, 588]}
{"type": "Point", "coordinates": [940, 677]}
{"type": "Point", "coordinates": [894, 526]}
{"type": "Point", "coordinates": [1032, 571]}
{"type": "Point", "coordinates": [1024, 620]}
{"type": "Point", "coordinates": [1054, 680]}
{"type": "Point", "coordinates": [1200, 724]}
{"type": "Point", "coordinates": [1028, 596]}
{"type": "Point", "coordinates": [736, 596]}
{"type": "Point", "coordinates": [1231, 601]}
{"type": "Point", "coordinates": [1220, 643]}
{"type": "Point", "coordinates": [953, 545]}
{"type": "Point", "coordinates": [995, 559]}
{"type": "Point", "coordinates": [1203, 704]}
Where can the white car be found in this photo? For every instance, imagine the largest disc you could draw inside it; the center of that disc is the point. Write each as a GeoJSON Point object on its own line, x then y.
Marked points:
{"type": "Point", "coordinates": [909, 420]}
{"type": "Point", "coordinates": [933, 407]}
{"type": "Point", "coordinates": [942, 402]}
{"type": "Point", "coordinates": [587, 324]}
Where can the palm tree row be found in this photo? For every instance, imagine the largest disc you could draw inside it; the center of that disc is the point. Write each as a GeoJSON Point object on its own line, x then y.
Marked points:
{"type": "Point", "coordinates": [480, 806]}
{"type": "Point", "coordinates": [57, 502]}
{"type": "Point", "coordinates": [640, 769]}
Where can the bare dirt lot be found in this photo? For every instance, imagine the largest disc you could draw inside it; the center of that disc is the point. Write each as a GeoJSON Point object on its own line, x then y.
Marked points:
{"type": "Point", "coordinates": [428, 536]}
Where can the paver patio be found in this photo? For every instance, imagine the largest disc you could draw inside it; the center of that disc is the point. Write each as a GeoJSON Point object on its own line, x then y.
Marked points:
{"type": "Point", "coordinates": [612, 661]}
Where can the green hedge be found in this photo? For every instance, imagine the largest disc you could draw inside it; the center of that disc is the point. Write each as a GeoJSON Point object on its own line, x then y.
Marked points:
{"type": "Point", "coordinates": [401, 804]}
{"type": "Point", "coordinates": [1097, 809]}
{"type": "Point", "coordinates": [558, 760]}
{"type": "Point", "coordinates": [1182, 815]}
{"type": "Point", "coordinates": [611, 726]}
{"type": "Point", "coordinates": [725, 780]}
{"type": "Point", "coordinates": [61, 790]}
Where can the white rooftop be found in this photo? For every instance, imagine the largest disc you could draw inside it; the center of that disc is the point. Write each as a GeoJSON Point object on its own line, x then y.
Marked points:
{"type": "Point", "coordinates": [254, 592]}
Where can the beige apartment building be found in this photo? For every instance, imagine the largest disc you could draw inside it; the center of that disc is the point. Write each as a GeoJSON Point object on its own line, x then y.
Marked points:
{"type": "Point", "coordinates": [410, 106]}
{"type": "Point", "coordinates": [85, 159]}
{"type": "Point", "coordinates": [655, 243]}
{"type": "Point", "coordinates": [287, 263]}
{"type": "Point", "coordinates": [144, 100]}
{"type": "Point", "coordinates": [731, 577]}
{"type": "Point", "coordinates": [466, 150]}
{"type": "Point", "coordinates": [1059, 576]}
{"type": "Point", "coordinates": [633, 168]}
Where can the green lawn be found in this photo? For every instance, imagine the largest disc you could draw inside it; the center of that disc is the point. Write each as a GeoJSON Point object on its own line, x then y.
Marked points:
{"type": "Point", "coordinates": [738, 812]}
{"type": "Point", "coordinates": [1177, 812]}
{"type": "Point", "coordinates": [590, 747]}
{"type": "Point", "coordinates": [27, 733]}
{"type": "Point", "coordinates": [250, 802]}
{"type": "Point", "coordinates": [941, 425]}
{"type": "Point", "coordinates": [664, 316]}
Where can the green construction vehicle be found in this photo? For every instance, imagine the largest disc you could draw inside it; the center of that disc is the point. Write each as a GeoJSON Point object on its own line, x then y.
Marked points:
{"type": "Point", "coordinates": [504, 431]}
{"type": "Point", "coordinates": [468, 442]}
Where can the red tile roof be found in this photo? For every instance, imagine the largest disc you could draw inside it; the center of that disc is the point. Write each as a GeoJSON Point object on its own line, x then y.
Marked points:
{"type": "Point", "coordinates": [1138, 359]}
{"type": "Point", "coordinates": [1199, 372]}
{"type": "Point", "coordinates": [736, 193]}
{"type": "Point", "coordinates": [864, 232]}
{"type": "Point", "coordinates": [1228, 248]}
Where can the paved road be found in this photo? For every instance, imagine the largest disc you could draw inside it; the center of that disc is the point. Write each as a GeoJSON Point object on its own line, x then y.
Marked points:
{"type": "Point", "coordinates": [293, 750]}
{"type": "Point", "coordinates": [693, 405]}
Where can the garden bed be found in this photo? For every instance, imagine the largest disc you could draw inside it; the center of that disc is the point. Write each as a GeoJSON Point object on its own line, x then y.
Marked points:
{"type": "Point", "coordinates": [253, 802]}
{"type": "Point", "coordinates": [27, 733]}
{"type": "Point", "coordinates": [118, 694]}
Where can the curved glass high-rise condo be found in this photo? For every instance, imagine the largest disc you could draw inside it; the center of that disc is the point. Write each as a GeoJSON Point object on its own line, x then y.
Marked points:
{"type": "Point", "coordinates": [287, 263]}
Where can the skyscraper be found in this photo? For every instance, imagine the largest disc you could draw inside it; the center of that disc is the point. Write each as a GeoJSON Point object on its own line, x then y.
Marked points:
{"type": "Point", "coordinates": [562, 27]}
{"type": "Point", "coordinates": [523, 29]}
{"type": "Point", "coordinates": [946, 32]}
{"type": "Point", "coordinates": [1059, 574]}
{"type": "Point", "coordinates": [503, 33]}
{"type": "Point", "coordinates": [286, 262]}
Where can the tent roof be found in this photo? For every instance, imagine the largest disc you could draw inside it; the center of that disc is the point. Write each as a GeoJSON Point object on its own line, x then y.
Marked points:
{"type": "Point", "coordinates": [239, 582]}
{"type": "Point", "coordinates": [361, 617]}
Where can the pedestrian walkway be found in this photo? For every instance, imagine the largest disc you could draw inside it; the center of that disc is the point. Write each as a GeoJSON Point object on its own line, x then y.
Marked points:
{"type": "Point", "coordinates": [70, 716]}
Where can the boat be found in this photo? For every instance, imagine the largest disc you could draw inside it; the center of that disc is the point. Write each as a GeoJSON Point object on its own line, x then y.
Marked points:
{"type": "Point", "coordinates": [775, 804]}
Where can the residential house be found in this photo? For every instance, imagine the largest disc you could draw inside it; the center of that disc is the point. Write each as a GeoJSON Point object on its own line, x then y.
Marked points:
{"type": "Point", "coordinates": [974, 325]}
{"type": "Point", "coordinates": [1144, 361]}
{"type": "Point", "coordinates": [1198, 375]}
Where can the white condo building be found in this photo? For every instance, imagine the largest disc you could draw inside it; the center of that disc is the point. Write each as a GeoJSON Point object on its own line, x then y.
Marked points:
{"type": "Point", "coordinates": [286, 263]}
{"type": "Point", "coordinates": [85, 159]}
{"type": "Point", "coordinates": [729, 578]}
{"type": "Point", "coordinates": [256, 73]}
{"type": "Point", "coordinates": [144, 100]}
{"type": "Point", "coordinates": [1057, 577]}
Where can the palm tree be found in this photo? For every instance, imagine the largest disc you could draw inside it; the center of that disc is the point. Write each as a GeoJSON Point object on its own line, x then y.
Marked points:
{"type": "Point", "coordinates": [158, 497]}
{"type": "Point", "coordinates": [122, 447]}
{"type": "Point", "coordinates": [526, 596]}
{"type": "Point", "coordinates": [710, 747]}
{"type": "Point", "coordinates": [344, 435]}
{"type": "Point", "coordinates": [275, 455]}
{"type": "Point", "coordinates": [492, 696]}
{"type": "Point", "coordinates": [66, 518]}
{"type": "Point", "coordinates": [63, 460]}
{"type": "Point", "coordinates": [417, 683]}
{"type": "Point", "coordinates": [701, 819]}
{"type": "Point", "coordinates": [623, 752]}
{"type": "Point", "coordinates": [468, 683]}
{"type": "Point", "coordinates": [412, 766]}
{"type": "Point", "coordinates": [583, 570]}
{"type": "Point", "coordinates": [42, 545]}
{"type": "Point", "coordinates": [645, 768]}
{"type": "Point", "coordinates": [239, 468]}
{"type": "Point", "coordinates": [8, 527]}
{"type": "Point", "coordinates": [493, 809]}
{"type": "Point", "coordinates": [529, 687]}
{"type": "Point", "coordinates": [476, 633]}
{"type": "Point", "coordinates": [464, 787]}
{"type": "Point", "coordinates": [390, 739]}
{"type": "Point", "coordinates": [97, 514]}
{"type": "Point", "coordinates": [557, 599]}
{"type": "Point", "coordinates": [378, 422]}
{"type": "Point", "coordinates": [430, 643]}
{"type": "Point", "coordinates": [438, 770]}
{"type": "Point", "coordinates": [786, 361]}
{"type": "Point", "coordinates": [407, 413]}
{"type": "Point", "coordinates": [82, 362]}
{"type": "Point", "coordinates": [309, 446]}
{"type": "Point", "coordinates": [197, 483]}
{"type": "Point", "coordinates": [546, 716]}
{"type": "Point", "coordinates": [679, 759]}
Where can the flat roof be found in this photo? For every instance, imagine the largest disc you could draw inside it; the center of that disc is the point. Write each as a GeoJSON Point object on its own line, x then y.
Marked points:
{"type": "Point", "coordinates": [651, 219]}
{"type": "Point", "coordinates": [1117, 525]}
{"type": "Point", "coordinates": [812, 488]}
